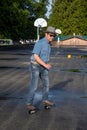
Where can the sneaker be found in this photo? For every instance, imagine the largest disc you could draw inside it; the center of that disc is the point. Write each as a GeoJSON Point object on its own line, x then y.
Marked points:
{"type": "Point", "coordinates": [46, 102]}
{"type": "Point", "coordinates": [31, 107]}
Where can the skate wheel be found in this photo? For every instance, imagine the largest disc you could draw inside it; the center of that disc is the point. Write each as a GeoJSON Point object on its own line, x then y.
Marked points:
{"type": "Point", "coordinates": [47, 107]}
{"type": "Point", "coordinates": [32, 111]}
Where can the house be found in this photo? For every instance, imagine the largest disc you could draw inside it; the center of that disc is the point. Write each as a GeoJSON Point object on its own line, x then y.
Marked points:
{"type": "Point", "coordinates": [70, 41]}
{"type": "Point", "coordinates": [6, 42]}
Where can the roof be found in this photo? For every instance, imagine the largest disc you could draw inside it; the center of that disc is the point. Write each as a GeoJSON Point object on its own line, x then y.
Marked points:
{"type": "Point", "coordinates": [62, 38]}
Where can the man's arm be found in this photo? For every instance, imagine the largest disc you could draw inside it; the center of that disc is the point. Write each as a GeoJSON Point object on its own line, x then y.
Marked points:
{"type": "Point", "coordinates": [41, 62]}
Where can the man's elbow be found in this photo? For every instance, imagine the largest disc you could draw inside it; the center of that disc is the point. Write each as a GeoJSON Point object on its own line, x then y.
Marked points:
{"type": "Point", "coordinates": [35, 56]}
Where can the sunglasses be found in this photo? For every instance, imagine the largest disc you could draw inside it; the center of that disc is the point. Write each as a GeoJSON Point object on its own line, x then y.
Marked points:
{"type": "Point", "coordinates": [51, 35]}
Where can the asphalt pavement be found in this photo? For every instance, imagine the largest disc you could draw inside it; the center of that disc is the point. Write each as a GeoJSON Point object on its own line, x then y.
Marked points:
{"type": "Point", "coordinates": [68, 90]}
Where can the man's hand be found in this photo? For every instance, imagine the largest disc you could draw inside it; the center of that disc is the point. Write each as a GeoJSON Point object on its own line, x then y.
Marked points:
{"type": "Point", "coordinates": [41, 62]}
{"type": "Point", "coordinates": [48, 66]}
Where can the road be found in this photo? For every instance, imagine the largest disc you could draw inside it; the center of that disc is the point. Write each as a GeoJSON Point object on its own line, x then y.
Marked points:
{"type": "Point", "coordinates": [68, 90]}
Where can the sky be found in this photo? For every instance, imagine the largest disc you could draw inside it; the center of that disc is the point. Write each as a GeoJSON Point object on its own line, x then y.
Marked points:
{"type": "Point", "coordinates": [49, 8]}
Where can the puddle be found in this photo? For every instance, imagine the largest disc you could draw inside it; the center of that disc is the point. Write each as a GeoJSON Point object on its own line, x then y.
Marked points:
{"type": "Point", "coordinates": [8, 98]}
{"type": "Point", "coordinates": [10, 67]}
{"type": "Point", "coordinates": [8, 59]}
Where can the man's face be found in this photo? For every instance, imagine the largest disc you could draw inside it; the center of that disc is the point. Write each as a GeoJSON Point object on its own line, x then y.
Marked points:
{"type": "Point", "coordinates": [49, 36]}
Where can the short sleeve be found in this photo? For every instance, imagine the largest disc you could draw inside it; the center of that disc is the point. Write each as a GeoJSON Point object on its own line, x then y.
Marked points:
{"type": "Point", "coordinates": [37, 48]}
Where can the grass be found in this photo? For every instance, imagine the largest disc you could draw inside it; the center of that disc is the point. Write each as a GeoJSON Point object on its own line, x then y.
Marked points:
{"type": "Point", "coordinates": [84, 56]}
{"type": "Point", "coordinates": [72, 70]}
{"type": "Point", "coordinates": [84, 97]}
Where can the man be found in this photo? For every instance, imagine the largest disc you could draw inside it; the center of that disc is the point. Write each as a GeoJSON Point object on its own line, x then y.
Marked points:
{"type": "Point", "coordinates": [39, 68]}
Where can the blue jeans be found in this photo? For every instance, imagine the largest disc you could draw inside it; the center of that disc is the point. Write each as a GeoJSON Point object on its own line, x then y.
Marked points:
{"type": "Point", "coordinates": [36, 72]}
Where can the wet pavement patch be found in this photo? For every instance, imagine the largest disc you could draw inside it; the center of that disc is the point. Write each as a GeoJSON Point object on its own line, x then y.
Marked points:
{"type": "Point", "coordinates": [6, 67]}
{"type": "Point", "coordinates": [10, 67]}
{"type": "Point", "coordinates": [8, 59]}
{"type": "Point", "coordinates": [8, 98]}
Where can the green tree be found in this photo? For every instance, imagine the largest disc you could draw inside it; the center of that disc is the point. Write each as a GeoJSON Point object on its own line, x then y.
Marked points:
{"type": "Point", "coordinates": [17, 18]}
{"type": "Point", "coordinates": [13, 19]}
{"type": "Point", "coordinates": [70, 16]}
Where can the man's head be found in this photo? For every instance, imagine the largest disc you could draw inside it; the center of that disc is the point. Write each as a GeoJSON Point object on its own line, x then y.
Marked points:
{"type": "Point", "coordinates": [50, 33]}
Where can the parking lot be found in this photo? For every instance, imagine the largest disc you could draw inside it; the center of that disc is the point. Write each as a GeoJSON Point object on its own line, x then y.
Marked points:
{"type": "Point", "coordinates": [68, 90]}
